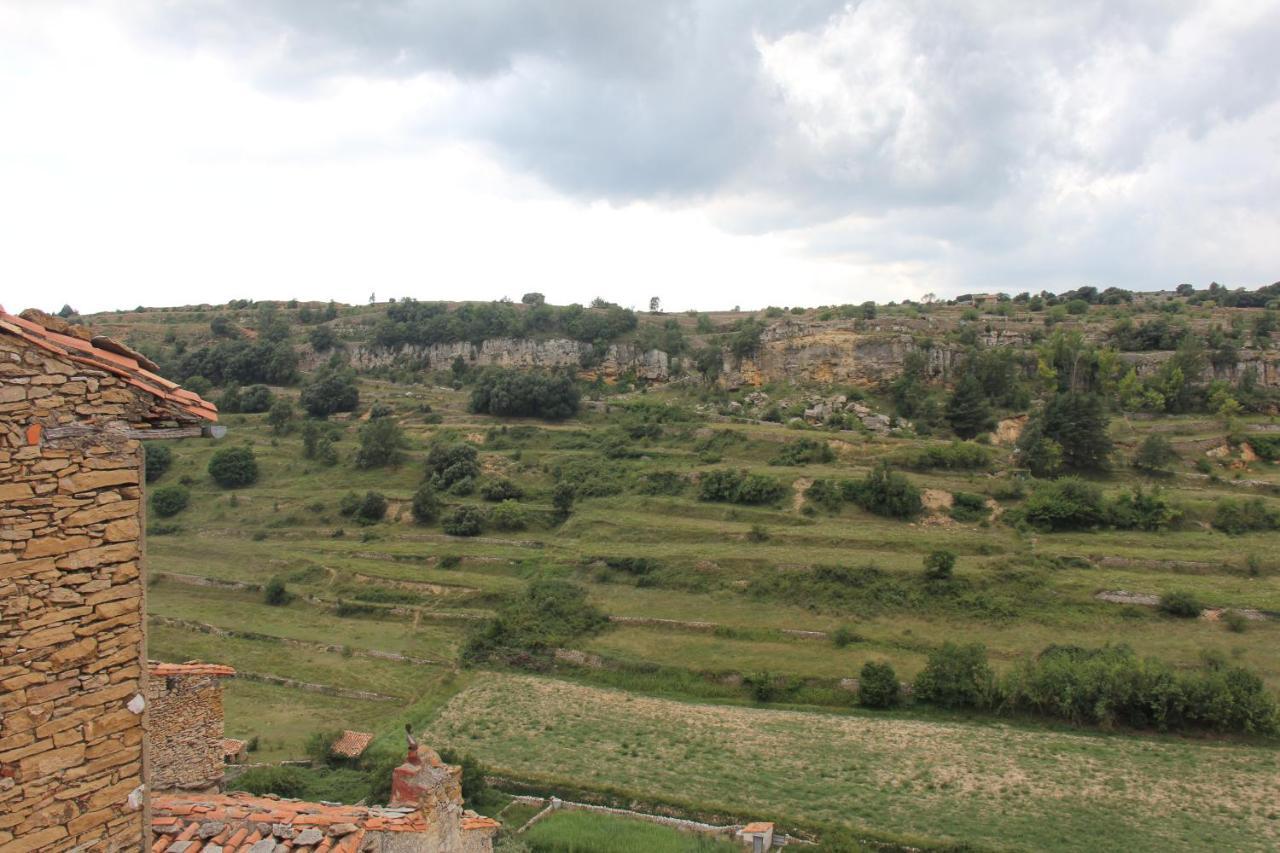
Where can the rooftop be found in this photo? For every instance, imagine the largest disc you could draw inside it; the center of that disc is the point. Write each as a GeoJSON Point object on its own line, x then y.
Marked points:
{"type": "Point", "coordinates": [191, 667]}
{"type": "Point", "coordinates": [235, 822]}
{"type": "Point", "coordinates": [78, 344]}
{"type": "Point", "coordinates": [351, 744]}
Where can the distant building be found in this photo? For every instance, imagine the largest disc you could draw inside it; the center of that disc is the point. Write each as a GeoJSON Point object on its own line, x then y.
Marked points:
{"type": "Point", "coordinates": [351, 745]}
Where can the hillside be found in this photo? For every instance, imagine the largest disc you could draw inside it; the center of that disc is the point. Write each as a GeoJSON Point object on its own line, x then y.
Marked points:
{"type": "Point", "coordinates": [715, 496]}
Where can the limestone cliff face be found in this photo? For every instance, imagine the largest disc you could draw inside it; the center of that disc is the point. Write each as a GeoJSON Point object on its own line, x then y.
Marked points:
{"type": "Point", "coordinates": [651, 365]}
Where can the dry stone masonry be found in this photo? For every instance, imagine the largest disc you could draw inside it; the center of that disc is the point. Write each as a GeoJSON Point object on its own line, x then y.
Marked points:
{"type": "Point", "coordinates": [72, 671]}
{"type": "Point", "coordinates": [185, 726]}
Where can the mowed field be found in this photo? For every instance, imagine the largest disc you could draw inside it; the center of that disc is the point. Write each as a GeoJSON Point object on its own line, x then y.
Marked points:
{"type": "Point", "coordinates": [364, 594]}
{"type": "Point", "coordinates": [984, 783]}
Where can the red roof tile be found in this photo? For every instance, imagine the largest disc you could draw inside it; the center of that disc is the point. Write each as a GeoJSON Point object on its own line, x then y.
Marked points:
{"type": "Point", "coordinates": [232, 747]}
{"type": "Point", "coordinates": [335, 828]}
{"type": "Point", "coordinates": [351, 744]}
{"type": "Point", "coordinates": [191, 667]}
{"type": "Point", "coordinates": [77, 344]}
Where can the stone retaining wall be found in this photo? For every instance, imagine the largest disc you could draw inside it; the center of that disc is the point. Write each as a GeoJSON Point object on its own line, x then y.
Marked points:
{"type": "Point", "coordinates": [184, 732]}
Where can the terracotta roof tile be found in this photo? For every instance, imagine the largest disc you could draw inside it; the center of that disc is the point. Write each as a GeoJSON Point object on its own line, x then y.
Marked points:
{"type": "Point", "coordinates": [191, 667]}
{"type": "Point", "coordinates": [759, 826]}
{"type": "Point", "coordinates": [351, 744]}
{"type": "Point", "coordinates": [180, 817]}
{"type": "Point", "coordinates": [479, 822]}
{"type": "Point", "coordinates": [77, 344]}
{"type": "Point", "coordinates": [232, 747]}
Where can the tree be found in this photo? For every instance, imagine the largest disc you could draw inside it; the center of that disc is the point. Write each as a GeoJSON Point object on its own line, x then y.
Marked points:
{"type": "Point", "coordinates": [450, 464]}
{"type": "Point", "coordinates": [504, 392]}
{"type": "Point", "coordinates": [957, 676]}
{"type": "Point", "coordinates": [372, 508]}
{"type": "Point", "coordinates": [938, 565]}
{"type": "Point", "coordinates": [229, 401]}
{"type": "Point", "coordinates": [158, 459]}
{"type": "Point", "coordinates": [533, 298]}
{"type": "Point", "coordinates": [275, 593]}
{"type": "Point", "coordinates": [280, 417]}
{"type": "Point", "coordinates": [426, 506]}
{"type": "Point", "coordinates": [381, 441]}
{"type": "Point", "coordinates": [562, 499]}
{"type": "Point", "coordinates": [331, 390]}
{"type": "Point", "coordinates": [168, 501]}
{"type": "Point", "coordinates": [868, 310]}
{"type": "Point", "coordinates": [256, 399]}
{"type": "Point", "coordinates": [466, 520]}
{"type": "Point", "coordinates": [967, 410]}
{"type": "Point", "coordinates": [878, 685]}
{"type": "Point", "coordinates": [654, 304]}
{"type": "Point", "coordinates": [323, 339]}
{"type": "Point", "coordinates": [1154, 454]}
{"type": "Point", "coordinates": [233, 467]}
{"type": "Point", "coordinates": [66, 311]}
{"type": "Point", "coordinates": [1076, 421]}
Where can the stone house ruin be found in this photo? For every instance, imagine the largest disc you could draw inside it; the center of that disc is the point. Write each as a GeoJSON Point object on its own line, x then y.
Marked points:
{"type": "Point", "coordinates": [74, 409]}
{"type": "Point", "coordinates": [87, 729]}
{"type": "Point", "coordinates": [184, 730]}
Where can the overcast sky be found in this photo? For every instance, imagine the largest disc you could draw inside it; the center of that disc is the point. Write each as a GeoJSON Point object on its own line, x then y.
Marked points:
{"type": "Point", "coordinates": [708, 152]}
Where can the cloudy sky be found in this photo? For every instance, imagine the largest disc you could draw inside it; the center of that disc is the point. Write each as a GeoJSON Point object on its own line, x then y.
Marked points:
{"type": "Point", "coordinates": [709, 152]}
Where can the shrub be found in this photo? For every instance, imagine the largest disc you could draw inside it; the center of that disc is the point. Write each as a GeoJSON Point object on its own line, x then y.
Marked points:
{"type": "Point", "coordinates": [426, 506]}
{"type": "Point", "coordinates": [938, 565]}
{"type": "Point", "coordinates": [514, 393]}
{"type": "Point", "coordinates": [500, 490]}
{"type": "Point", "coordinates": [1066, 504]}
{"type": "Point", "coordinates": [562, 498]}
{"type": "Point", "coordinates": [803, 452]}
{"type": "Point", "coordinates": [968, 411]}
{"type": "Point", "coordinates": [956, 456]}
{"type": "Point", "coordinates": [256, 400]}
{"type": "Point", "coordinates": [1143, 510]}
{"type": "Point", "coordinates": [843, 636]}
{"type": "Point", "coordinates": [448, 464]}
{"type": "Point", "coordinates": [878, 685]}
{"type": "Point", "coordinates": [276, 593]}
{"type": "Point", "coordinates": [967, 506]}
{"type": "Point", "coordinates": [1232, 516]}
{"type": "Point", "coordinates": [168, 501]}
{"type": "Point", "coordinates": [884, 492]}
{"type": "Point", "coordinates": [233, 467]}
{"type": "Point", "coordinates": [1076, 422]}
{"type": "Point", "coordinates": [758, 533]}
{"type": "Point", "coordinates": [372, 508]}
{"type": "Point", "coordinates": [1181, 604]}
{"type": "Point", "coordinates": [280, 417]}
{"type": "Point", "coordinates": [330, 390]}
{"type": "Point", "coordinates": [1235, 621]}
{"type": "Point", "coordinates": [549, 614]}
{"type": "Point", "coordinates": [957, 677]}
{"type": "Point", "coordinates": [759, 489]}
{"type": "Point", "coordinates": [825, 494]}
{"type": "Point", "coordinates": [349, 503]}
{"type": "Point", "coordinates": [729, 486]}
{"type": "Point", "coordinates": [381, 441]}
{"type": "Point", "coordinates": [662, 483]}
{"type": "Point", "coordinates": [1155, 453]}
{"type": "Point", "coordinates": [158, 459]}
{"type": "Point", "coordinates": [508, 516]}
{"type": "Point", "coordinates": [466, 520]}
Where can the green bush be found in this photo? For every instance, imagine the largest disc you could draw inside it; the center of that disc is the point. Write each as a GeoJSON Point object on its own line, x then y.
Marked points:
{"type": "Point", "coordinates": [257, 399]}
{"type": "Point", "coordinates": [939, 565]}
{"type": "Point", "coordinates": [1181, 604]}
{"type": "Point", "coordinates": [233, 467]}
{"type": "Point", "coordinates": [956, 456]}
{"type": "Point", "coordinates": [276, 593]}
{"type": "Point", "coordinates": [1243, 516]}
{"type": "Point", "coordinates": [425, 506]}
{"type": "Point", "coordinates": [381, 442]}
{"type": "Point", "coordinates": [877, 685]}
{"type": "Point", "coordinates": [825, 494]}
{"type": "Point", "coordinates": [729, 486]}
{"type": "Point", "coordinates": [449, 464]}
{"type": "Point", "coordinates": [1143, 510]}
{"type": "Point", "coordinates": [466, 520]}
{"type": "Point", "coordinates": [1155, 453]}
{"type": "Point", "coordinates": [957, 677]}
{"type": "Point", "coordinates": [1066, 504]}
{"type": "Point", "coordinates": [500, 490]}
{"type": "Point", "coordinates": [158, 459]}
{"type": "Point", "coordinates": [372, 508]}
{"type": "Point", "coordinates": [967, 506]}
{"type": "Point", "coordinates": [884, 492]}
{"type": "Point", "coordinates": [1112, 686]}
{"type": "Point", "coordinates": [330, 390]}
{"type": "Point", "coordinates": [803, 452]}
{"type": "Point", "coordinates": [168, 501]}
{"type": "Point", "coordinates": [843, 636]}
{"type": "Point", "coordinates": [516, 393]}
{"type": "Point", "coordinates": [349, 503]}
{"type": "Point", "coordinates": [549, 614]}
{"type": "Point", "coordinates": [508, 516]}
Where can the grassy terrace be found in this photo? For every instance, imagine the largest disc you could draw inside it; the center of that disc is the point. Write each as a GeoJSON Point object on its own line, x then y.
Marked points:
{"type": "Point", "coordinates": [1021, 786]}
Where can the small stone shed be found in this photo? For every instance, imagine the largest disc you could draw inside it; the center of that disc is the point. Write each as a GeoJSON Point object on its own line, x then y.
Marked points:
{"type": "Point", "coordinates": [74, 409]}
{"type": "Point", "coordinates": [185, 726]}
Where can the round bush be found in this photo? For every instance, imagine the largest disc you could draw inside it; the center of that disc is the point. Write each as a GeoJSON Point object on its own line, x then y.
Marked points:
{"type": "Point", "coordinates": [1181, 604]}
{"type": "Point", "coordinates": [939, 565]}
{"type": "Point", "coordinates": [508, 516]}
{"type": "Point", "coordinates": [426, 506]}
{"type": "Point", "coordinates": [168, 501]}
{"type": "Point", "coordinates": [877, 685]}
{"type": "Point", "coordinates": [464, 521]}
{"type": "Point", "coordinates": [233, 467]}
{"type": "Point", "coordinates": [373, 507]}
{"type": "Point", "coordinates": [159, 458]}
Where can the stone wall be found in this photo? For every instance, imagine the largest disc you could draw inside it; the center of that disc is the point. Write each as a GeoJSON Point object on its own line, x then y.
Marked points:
{"type": "Point", "coordinates": [184, 732]}
{"type": "Point", "coordinates": [652, 365]}
{"type": "Point", "coordinates": [71, 609]}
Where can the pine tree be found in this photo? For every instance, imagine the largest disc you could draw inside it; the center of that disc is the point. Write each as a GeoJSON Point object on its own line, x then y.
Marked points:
{"type": "Point", "coordinates": [968, 411]}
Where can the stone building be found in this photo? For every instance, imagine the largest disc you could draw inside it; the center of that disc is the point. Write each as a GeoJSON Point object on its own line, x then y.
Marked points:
{"type": "Point", "coordinates": [184, 726]}
{"type": "Point", "coordinates": [73, 411]}
{"type": "Point", "coordinates": [425, 815]}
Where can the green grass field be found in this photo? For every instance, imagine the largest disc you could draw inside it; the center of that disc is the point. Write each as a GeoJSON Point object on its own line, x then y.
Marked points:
{"type": "Point", "coordinates": [408, 589]}
{"type": "Point", "coordinates": [586, 832]}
